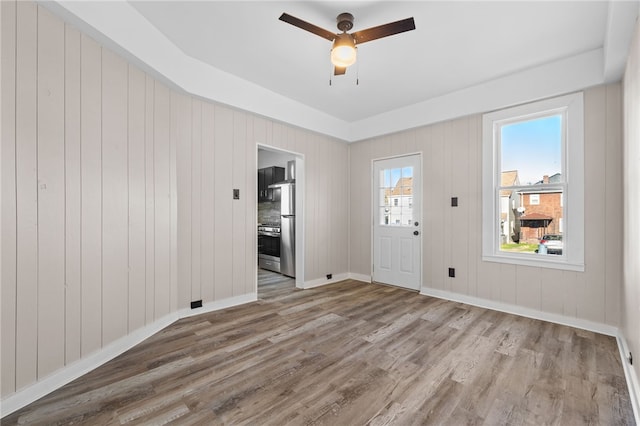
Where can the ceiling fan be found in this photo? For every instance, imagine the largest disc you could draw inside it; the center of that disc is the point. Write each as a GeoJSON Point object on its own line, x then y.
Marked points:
{"type": "Point", "coordinates": [343, 51]}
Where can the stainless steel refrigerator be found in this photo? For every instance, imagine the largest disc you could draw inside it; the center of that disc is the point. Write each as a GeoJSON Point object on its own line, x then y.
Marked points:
{"type": "Point", "coordinates": [287, 227]}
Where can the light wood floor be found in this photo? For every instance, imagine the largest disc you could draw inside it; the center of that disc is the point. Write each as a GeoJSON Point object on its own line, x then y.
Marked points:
{"type": "Point", "coordinates": [350, 354]}
{"type": "Point", "coordinates": [272, 285]}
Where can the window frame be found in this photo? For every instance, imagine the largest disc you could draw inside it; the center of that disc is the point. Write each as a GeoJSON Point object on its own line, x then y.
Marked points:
{"type": "Point", "coordinates": [537, 198]}
{"type": "Point", "coordinates": [571, 107]}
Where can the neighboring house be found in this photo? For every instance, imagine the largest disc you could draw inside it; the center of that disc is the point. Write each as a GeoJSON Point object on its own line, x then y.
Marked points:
{"type": "Point", "coordinates": [542, 211]}
{"type": "Point", "coordinates": [399, 202]}
{"type": "Point", "coordinates": [509, 203]}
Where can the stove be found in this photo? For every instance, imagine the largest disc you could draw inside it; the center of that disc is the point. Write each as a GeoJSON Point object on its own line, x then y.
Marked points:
{"type": "Point", "coordinates": [269, 246]}
{"type": "Point", "coordinates": [269, 229]}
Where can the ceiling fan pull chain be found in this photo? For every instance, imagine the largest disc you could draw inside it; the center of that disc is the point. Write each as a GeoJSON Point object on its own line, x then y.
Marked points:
{"type": "Point", "coordinates": [358, 73]}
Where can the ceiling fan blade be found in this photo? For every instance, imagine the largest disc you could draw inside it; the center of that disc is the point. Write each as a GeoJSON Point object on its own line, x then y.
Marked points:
{"type": "Point", "coordinates": [385, 30]}
{"type": "Point", "coordinates": [339, 70]}
{"type": "Point", "coordinates": [307, 26]}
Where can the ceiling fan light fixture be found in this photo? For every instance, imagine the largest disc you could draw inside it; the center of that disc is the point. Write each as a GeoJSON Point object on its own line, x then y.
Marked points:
{"type": "Point", "coordinates": [343, 52]}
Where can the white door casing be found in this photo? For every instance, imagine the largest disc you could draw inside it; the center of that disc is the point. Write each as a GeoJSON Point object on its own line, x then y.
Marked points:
{"type": "Point", "coordinates": [397, 221]}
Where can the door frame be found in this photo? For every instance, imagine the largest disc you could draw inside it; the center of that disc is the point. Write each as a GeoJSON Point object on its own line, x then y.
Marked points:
{"type": "Point", "coordinates": [373, 214]}
{"type": "Point", "coordinates": [299, 223]}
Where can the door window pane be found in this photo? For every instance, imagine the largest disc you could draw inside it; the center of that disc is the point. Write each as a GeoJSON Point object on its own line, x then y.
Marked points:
{"type": "Point", "coordinates": [395, 195]}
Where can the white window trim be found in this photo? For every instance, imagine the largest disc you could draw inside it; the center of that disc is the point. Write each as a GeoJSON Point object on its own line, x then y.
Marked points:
{"type": "Point", "coordinates": [537, 198]}
{"type": "Point", "coordinates": [572, 108]}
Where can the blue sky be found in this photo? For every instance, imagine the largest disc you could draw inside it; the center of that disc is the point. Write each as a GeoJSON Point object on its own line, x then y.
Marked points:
{"type": "Point", "coordinates": [533, 148]}
{"type": "Point", "coordinates": [391, 176]}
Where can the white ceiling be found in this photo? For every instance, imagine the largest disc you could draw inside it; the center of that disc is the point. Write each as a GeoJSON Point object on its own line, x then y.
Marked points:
{"type": "Point", "coordinates": [463, 57]}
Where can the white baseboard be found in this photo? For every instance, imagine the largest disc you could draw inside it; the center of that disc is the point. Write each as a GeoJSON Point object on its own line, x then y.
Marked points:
{"type": "Point", "coordinates": [360, 277]}
{"type": "Point", "coordinates": [86, 364]}
{"type": "Point", "coordinates": [219, 304]}
{"type": "Point", "coordinates": [633, 383]}
{"type": "Point", "coordinates": [323, 281]}
{"type": "Point", "coordinates": [522, 311]}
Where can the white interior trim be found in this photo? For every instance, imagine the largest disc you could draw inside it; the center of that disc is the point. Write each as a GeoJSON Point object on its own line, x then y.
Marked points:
{"type": "Point", "coordinates": [120, 27]}
{"type": "Point", "coordinates": [621, 21]}
{"type": "Point", "coordinates": [632, 382]}
{"type": "Point", "coordinates": [360, 277]}
{"type": "Point", "coordinates": [324, 281]}
{"type": "Point", "coordinates": [583, 324]}
{"type": "Point", "coordinates": [300, 203]}
{"type": "Point", "coordinates": [217, 305]}
{"type": "Point", "coordinates": [572, 109]}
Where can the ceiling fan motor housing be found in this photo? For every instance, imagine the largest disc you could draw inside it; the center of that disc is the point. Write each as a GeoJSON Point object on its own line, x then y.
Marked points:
{"type": "Point", "coordinates": [345, 21]}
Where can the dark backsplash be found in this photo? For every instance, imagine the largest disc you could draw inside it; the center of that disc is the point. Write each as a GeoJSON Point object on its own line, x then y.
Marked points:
{"type": "Point", "coordinates": [269, 212]}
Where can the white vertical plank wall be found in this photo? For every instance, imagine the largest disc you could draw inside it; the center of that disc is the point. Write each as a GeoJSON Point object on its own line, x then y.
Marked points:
{"type": "Point", "coordinates": [613, 193]}
{"type": "Point", "coordinates": [73, 199]}
{"type": "Point", "coordinates": [115, 210]}
{"type": "Point", "coordinates": [26, 195]}
{"type": "Point", "coordinates": [238, 222]}
{"type": "Point", "coordinates": [223, 228]}
{"type": "Point", "coordinates": [631, 202]}
{"type": "Point", "coordinates": [473, 203]}
{"type": "Point", "coordinates": [117, 206]}
{"type": "Point", "coordinates": [180, 136]}
{"type": "Point", "coordinates": [249, 194]}
{"type": "Point", "coordinates": [207, 203]}
{"type": "Point", "coordinates": [51, 193]}
{"type": "Point", "coordinates": [196, 197]}
{"type": "Point", "coordinates": [150, 206]}
{"type": "Point", "coordinates": [452, 236]}
{"type": "Point", "coordinates": [91, 195]}
{"type": "Point", "coordinates": [136, 199]}
{"type": "Point", "coordinates": [162, 204]}
{"type": "Point", "coordinates": [9, 231]}
{"type": "Point", "coordinates": [592, 285]}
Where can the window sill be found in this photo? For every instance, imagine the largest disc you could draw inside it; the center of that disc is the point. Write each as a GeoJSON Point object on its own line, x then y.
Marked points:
{"type": "Point", "coordinates": [530, 260]}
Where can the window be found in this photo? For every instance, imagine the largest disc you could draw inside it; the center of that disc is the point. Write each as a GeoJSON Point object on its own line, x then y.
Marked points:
{"type": "Point", "coordinates": [395, 186]}
{"type": "Point", "coordinates": [533, 174]}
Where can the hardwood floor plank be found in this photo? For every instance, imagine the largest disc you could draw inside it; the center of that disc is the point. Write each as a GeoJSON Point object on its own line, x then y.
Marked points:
{"type": "Point", "coordinates": [349, 354]}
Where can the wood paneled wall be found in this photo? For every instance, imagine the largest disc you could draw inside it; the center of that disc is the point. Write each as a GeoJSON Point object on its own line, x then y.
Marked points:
{"type": "Point", "coordinates": [452, 166]}
{"type": "Point", "coordinates": [631, 196]}
{"type": "Point", "coordinates": [117, 204]}
{"type": "Point", "coordinates": [217, 235]}
{"type": "Point", "coordinates": [84, 165]}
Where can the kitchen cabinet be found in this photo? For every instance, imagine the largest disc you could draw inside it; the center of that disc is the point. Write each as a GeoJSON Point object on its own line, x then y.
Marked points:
{"type": "Point", "coordinates": [266, 177]}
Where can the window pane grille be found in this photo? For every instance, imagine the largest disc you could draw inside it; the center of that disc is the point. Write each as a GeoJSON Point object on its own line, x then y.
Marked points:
{"type": "Point", "coordinates": [395, 195]}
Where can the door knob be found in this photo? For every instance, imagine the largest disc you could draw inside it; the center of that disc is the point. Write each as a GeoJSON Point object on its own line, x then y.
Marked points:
{"type": "Point", "coordinates": [416, 233]}
{"type": "Point", "coordinates": [416, 223]}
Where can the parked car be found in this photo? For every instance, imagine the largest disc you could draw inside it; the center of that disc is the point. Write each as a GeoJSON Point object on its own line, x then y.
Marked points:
{"type": "Point", "coordinates": [550, 244]}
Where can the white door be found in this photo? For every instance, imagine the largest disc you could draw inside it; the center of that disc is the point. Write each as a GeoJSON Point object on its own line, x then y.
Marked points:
{"type": "Point", "coordinates": [397, 236]}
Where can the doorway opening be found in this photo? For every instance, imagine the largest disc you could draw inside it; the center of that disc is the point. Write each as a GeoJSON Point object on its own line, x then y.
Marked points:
{"type": "Point", "coordinates": [280, 201]}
